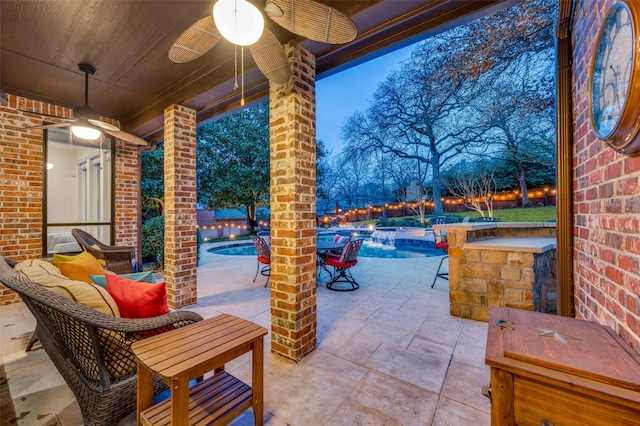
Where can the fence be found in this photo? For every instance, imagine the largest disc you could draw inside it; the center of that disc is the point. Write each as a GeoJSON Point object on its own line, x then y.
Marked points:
{"type": "Point", "coordinates": [503, 200]}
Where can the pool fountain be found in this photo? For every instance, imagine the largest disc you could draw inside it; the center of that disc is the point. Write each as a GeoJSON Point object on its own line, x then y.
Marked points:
{"type": "Point", "coordinates": [384, 236]}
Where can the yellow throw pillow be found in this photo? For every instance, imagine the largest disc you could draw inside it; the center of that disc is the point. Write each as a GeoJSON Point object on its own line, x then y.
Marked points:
{"type": "Point", "coordinates": [48, 276]}
{"type": "Point", "coordinates": [59, 258]}
{"type": "Point", "coordinates": [80, 268]}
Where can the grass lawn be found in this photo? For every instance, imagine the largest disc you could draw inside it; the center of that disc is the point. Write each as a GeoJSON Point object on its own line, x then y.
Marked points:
{"type": "Point", "coordinates": [529, 214]}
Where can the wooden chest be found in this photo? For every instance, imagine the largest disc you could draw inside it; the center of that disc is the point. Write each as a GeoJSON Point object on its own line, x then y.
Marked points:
{"type": "Point", "coordinates": [551, 371]}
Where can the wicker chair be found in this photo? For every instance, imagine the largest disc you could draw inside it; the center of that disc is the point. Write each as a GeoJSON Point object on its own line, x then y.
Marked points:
{"type": "Point", "coordinates": [91, 350]}
{"type": "Point", "coordinates": [118, 258]}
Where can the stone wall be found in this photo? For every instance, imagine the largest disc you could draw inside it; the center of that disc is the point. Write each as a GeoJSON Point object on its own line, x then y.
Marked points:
{"type": "Point", "coordinates": [606, 202]}
{"type": "Point", "coordinates": [483, 277]}
{"type": "Point", "coordinates": [22, 182]}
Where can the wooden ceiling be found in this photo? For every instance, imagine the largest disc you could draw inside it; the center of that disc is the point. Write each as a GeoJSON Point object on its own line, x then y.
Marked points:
{"type": "Point", "coordinates": [43, 41]}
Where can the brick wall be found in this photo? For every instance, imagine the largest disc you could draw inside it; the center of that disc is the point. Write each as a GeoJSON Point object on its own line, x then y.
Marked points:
{"type": "Point", "coordinates": [293, 179]}
{"type": "Point", "coordinates": [606, 202]}
{"type": "Point", "coordinates": [22, 180]}
{"type": "Point", "coordinates": [180, 257]}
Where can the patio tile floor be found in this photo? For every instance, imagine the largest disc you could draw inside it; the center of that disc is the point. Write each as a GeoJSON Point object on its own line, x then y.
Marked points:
{"type": "Point", "coordinates": [387, 354]}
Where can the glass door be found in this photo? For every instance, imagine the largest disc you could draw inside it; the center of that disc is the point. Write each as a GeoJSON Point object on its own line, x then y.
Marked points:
{"type": "Point", "coordinates": [78, 190]}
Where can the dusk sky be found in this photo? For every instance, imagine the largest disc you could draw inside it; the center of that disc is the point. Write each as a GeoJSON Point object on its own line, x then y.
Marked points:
{"type": "Point", "coordinates": [342, 94]}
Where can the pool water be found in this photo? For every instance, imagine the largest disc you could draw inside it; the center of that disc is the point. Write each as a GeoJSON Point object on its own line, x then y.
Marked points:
{"type": "Point", "coordinates": [369, 248]}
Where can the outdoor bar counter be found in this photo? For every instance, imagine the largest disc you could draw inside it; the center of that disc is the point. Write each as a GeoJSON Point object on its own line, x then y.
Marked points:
{"type": "Point", "coordinates": [502, 264]}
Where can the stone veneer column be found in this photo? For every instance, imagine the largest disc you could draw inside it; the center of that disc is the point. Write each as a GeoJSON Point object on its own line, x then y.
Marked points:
{"type": "Point", "coordinates": [293, 196]}
{"type": "Point", "coordinates": [180, 247]}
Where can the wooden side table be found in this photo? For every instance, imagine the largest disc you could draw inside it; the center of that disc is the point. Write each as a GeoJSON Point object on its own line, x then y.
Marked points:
{"type": "Point", "coordinates": [186, 353]}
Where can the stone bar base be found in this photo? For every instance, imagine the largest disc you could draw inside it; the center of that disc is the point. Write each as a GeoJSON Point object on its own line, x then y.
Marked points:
{"type": "Point", "coordinates": [501, 264]}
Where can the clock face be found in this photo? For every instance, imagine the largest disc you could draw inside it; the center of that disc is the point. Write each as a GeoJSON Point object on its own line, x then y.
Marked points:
{"type": "Point", "coordinates": [612, 71]}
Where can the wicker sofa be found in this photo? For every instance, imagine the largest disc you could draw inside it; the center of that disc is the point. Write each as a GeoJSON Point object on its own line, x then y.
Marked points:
{"type": "Point", "coordinates": [91, 349]}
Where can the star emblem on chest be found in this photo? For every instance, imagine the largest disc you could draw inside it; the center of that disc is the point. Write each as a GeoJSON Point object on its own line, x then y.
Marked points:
{"type": "Point", "coordinates": [555, 334]}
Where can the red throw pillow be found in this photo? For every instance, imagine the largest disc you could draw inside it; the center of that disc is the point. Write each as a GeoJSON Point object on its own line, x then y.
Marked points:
{"type": "Point", "coordinates": [138, 299]}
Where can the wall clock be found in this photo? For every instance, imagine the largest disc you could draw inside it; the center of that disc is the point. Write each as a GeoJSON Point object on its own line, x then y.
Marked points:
{"type": "Point", "coordinates": [615, 84]}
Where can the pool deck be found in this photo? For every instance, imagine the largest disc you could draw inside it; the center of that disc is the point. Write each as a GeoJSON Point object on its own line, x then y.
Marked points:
{"type": "Point", "coordinates": [387, 354]}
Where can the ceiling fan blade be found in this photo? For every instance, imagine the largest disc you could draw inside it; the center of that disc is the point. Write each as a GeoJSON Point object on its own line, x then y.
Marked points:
{"type": "Point", "coordinates": [313, 20]}
{"type": "Point", "coordinates": [128, 137]}
{"type": "Point", "coordinates": [195, 41]}
{"type": "Point", "coordinates": [270, 58]}
{"type": "Point", "coordinates": [49, 126]}
{"type": "Point", "coordinates": [103, 125]}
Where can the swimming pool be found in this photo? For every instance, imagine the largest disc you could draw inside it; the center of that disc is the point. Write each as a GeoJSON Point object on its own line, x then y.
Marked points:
{"type": "Point", "coordinates": [369, 248]}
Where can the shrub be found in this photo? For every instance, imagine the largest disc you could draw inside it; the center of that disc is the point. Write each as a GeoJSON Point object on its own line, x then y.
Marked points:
{"type": "Point", "coordinates": [153, 240]}
{"type": "Point", "coordinates": [199, 241]}
{"type": "Point", "coordinates": [402, 222]}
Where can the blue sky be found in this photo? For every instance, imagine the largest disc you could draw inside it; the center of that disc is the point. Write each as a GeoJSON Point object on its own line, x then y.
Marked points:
{"type": "Point", "coordinates": [342, 94]}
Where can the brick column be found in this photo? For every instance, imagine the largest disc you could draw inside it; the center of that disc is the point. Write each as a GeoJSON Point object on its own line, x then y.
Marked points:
{"type": "Point", "coordinates": [180, 257]}
{"type": "Point", "coordinates": [126, 194]}
{"type": "Point", "coordinates": [293, 196]}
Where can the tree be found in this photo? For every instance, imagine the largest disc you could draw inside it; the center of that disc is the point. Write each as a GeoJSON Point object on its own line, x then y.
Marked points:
{"type": "Point", "coordinates": [517, 118]}
{"type": "Point", "coordinates": [152, 182]}
{"type": "Point", "coordinates": [233, 161]}
{"type": "Point", "coordinates": [418, 113]}
{"type": "Point", "coordinates": [514, 67]}
{"type": "Point", "coordinates": [474, 184]}
{"type": "Point", "coordinates": [431, 110]}
{"type": "Point", "coordinates": [494, 42]}
{"type": "Point", "coordinates": [326, 178]}
{"type": "Point", "coordinates": [353, 176]}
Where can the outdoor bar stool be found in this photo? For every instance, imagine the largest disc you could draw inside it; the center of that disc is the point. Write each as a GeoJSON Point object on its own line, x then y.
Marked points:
{"type": "Point", "coordinates": [440, 238]}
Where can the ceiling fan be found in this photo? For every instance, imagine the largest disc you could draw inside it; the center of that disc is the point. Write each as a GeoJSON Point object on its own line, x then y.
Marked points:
{"type": "Point", "coordinates": [307, 18]}
{"type": "Point", "coordinates": [86, 123]}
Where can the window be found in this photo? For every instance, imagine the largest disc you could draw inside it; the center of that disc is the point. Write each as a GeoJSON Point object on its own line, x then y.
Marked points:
{"type": "Point", "coordinates": [78, 190]}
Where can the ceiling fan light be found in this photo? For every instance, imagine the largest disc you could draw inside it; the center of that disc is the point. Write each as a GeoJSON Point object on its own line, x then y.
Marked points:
{"type": "Point", "coordinates": [85, 132]}
{"type": "Point", "coordinates": [238, 21]}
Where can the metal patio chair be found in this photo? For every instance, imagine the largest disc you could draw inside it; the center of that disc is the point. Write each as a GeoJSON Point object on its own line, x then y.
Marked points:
{"type": "Point", "coordinates": [264, 258]}
{"type": "Point", "coordinates": [342, 265]}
